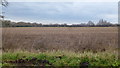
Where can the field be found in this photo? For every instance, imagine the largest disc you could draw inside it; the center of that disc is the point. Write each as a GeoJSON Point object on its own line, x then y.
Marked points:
{"type": "Point", "coordinates": [69, 43]}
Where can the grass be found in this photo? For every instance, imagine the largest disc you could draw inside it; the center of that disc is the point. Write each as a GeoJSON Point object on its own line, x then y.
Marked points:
{"type": "Point", "coordinates": [67, 58]}
{"type": "Point", "coordinates": [49, 44]}
{"type": "Point", "coordinates": [75, 39]}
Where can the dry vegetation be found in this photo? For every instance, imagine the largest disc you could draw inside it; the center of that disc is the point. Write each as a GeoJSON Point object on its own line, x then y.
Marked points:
{"type": "Point", "coordinates": [78, 39]}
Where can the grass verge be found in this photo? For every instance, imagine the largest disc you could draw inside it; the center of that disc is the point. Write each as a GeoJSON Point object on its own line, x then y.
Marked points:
{"type": "Point", "coordinates": [60, 58]}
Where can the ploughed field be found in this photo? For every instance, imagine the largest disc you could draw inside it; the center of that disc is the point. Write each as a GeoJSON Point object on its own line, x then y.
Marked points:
{"type": "Point", "coordinates": [60, 46]}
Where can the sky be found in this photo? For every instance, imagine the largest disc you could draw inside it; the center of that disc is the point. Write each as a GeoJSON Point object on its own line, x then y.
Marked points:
{"type": "Point", "coordinates": [62, 12]}
{"type": "Point", "coordinates": [63, 0]}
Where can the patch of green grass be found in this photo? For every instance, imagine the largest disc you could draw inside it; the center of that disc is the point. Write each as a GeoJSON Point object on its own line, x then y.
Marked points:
{"type": "Point", "coordinates": [67, 58]}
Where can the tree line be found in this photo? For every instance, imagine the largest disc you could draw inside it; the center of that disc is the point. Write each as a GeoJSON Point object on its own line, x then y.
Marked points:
{"type": "Point", "coordinates": [101, 23]}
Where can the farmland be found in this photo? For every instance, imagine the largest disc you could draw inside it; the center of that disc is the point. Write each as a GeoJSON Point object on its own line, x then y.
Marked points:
{"type": "Point", "coordinates": [66, 41]}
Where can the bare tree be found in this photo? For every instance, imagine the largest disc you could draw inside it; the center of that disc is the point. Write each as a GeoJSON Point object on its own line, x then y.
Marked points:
{"type": "Point", "coordinates": [90, 23]}
{"type": "Point", "coordinates": [4, 3]}
{"type": "Point", "coordinates": [103, 23]}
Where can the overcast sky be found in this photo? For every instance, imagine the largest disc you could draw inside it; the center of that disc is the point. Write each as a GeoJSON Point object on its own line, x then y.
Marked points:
{"type": "Point", "coordinates": [63, 0]}
{"type": "Point", "coordinates": [62, 12]}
